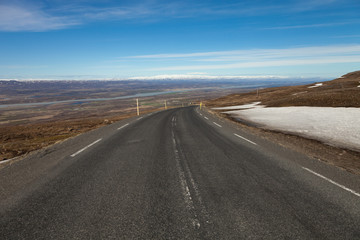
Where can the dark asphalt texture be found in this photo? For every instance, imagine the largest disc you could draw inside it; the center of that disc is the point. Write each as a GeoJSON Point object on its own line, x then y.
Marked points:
{"type": "Point", "coordinates": [175, 175]}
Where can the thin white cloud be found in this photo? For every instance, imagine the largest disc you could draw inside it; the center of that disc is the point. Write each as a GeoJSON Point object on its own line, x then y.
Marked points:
{"type": "Point", "coordinates": [308, 5]}
{"type": "Point", "coordinates": [112, 13]}
{"type": "Point", "coordinates": [196, 73]}
{"type": "Point", "coordinates": [347, 36]}
{"type": "Point", "coordinates": [260, 53]}
{"type": "Point", "coordinates": [18, 18]}
{"type": "Point", "coordinates": [21, 66]}
{"type": "Point", "coordinates": [302, 52]}
{"type": "Point", "coordinates": [21, 16]}
{"type": "Point", "coordinates": [253, 58]}
{"type": "Point", "coordinates": [184, 55]}
{"type": "Point", "coordinates": [310, 25]}
{"type": "Point", "coordinates": [269, 63]}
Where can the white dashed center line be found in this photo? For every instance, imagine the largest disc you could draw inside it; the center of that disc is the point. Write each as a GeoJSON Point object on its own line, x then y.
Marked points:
{"type": "Point", "coordinates": [206, 118]}
{"type": "Point", "coordinates": [184, 184]}
{"type": "Point", "coordinates": [73, 155]}
{"type": "Point", "coordinates": [217, 124]}
{"type": "Point", "coordinates": [245, 139]}
{"type": "Point", "coordinates": [331, 181]}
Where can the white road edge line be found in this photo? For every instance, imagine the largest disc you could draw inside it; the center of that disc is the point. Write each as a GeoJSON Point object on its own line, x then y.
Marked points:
{"type": "Point", "coordinates": [206, 118]}
{"type": "Point", "coordinates": [73, 155]}
{"type": "Point", "coordinates": [217, 124]}
{"type": "Point", "coordinates": [5, 161]}
{"type": "Point", "coordinates": [245, 139]}
{"type": "Point", "coordinates": [331, 181]}
{"type": "Point", "coordinates": [123, 126]}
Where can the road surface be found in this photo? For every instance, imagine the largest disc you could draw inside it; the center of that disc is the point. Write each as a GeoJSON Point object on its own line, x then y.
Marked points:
{"type": "Point", "coordinates": [176, 174]}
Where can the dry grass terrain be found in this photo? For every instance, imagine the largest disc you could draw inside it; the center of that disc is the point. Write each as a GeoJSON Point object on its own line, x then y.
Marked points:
{"type": "Point", "coordinates": [26, 128]}
{"type": "Point", "coordinates": [18, 140]}
{"type": "Point", "coordinates": [341, 92]}
{"type": "Point", "coordinates": [22, 139]}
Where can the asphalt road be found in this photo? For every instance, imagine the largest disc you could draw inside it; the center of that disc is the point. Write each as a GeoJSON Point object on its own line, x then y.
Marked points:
{"type": "Point", "coordinates": [176, 174]}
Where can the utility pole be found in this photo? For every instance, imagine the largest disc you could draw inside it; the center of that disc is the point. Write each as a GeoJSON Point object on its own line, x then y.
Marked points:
{"type": "Point", "coordinates": [137, 106]}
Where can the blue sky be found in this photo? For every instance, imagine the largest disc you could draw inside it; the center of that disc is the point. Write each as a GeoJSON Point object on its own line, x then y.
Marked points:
{"type": "Point", "coordinates": [90, 39]}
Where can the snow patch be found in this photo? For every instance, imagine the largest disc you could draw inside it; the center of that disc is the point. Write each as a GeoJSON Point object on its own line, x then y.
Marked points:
{"type": "Point", "coordinates": [316, 85]}
{"type": "Point", "coordinates": [294, 94]}
{"type": "Point", "coordinates": [334, 126]}
{"type": "Point", "coordinates": [244, 106]}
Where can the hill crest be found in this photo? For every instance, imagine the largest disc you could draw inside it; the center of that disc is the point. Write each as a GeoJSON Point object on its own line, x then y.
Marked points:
{"type": "Point", "coordinates": [340, 92]}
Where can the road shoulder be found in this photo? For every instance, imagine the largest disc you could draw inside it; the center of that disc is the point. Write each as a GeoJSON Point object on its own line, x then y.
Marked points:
{"type": "Point", "coordinates": [342, 158]}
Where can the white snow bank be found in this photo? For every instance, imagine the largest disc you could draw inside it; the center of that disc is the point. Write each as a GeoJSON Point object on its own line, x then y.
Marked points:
{"type": "Point", "coordinates": [335, 126]}
{"type": "Point", "coordinates": [316, 85]}
{"type": "Point", "coordinates": [244, 106]}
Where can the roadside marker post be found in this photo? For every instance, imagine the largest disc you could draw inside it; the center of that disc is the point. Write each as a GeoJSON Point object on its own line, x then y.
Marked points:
{"type": "Point", "coordinates": [200, 105]}
{"type": "Point", "coordinates": [137, 106]}
{"type": "Point", "coordinates": [165, 105]}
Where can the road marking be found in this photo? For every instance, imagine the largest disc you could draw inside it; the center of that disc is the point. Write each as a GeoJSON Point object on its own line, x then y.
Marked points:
{"type": "Point", "coordinates": [200, 114]}
{"type": "Point", "coordinates": [206, 118]}
{"type": "Point", "coordinates": [204, 213]}
{"type": "Point", "coordinates": [5, 161]}
{"type": "Point", "coordinates": [73, 155]}
{"type": "Point", "coordinates": [184, 186]}
{"type": "Point", "coordinates": [186, 179]}
{"type": "Point", "coordinates": [217, 124]}
{"type": "Point", "coordinates": [245, 139]}
{"type": "Point", "coordinates": [123, 126]}
{"type": "Point", "coordinates": [331, 181]}
{"type": "Point", "coordinates": [139, 118]}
